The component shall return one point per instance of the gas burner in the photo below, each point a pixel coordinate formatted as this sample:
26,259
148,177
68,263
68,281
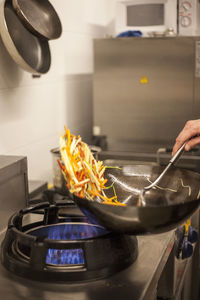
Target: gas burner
61,247
51,196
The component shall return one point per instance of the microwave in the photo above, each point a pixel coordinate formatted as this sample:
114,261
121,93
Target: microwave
180,16
146,16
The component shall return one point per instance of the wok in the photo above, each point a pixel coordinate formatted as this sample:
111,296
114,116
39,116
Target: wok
28,51
39,17
167,206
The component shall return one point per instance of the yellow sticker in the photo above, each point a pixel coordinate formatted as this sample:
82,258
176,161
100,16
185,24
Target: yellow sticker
50,186
187,225
144,80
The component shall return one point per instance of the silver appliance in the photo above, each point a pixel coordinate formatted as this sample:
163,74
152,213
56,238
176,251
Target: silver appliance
146,16
145,89
13,187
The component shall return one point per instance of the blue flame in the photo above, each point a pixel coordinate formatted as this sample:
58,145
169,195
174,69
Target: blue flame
68,232
65,257
74,231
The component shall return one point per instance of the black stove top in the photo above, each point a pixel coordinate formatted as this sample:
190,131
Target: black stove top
136,279
63,247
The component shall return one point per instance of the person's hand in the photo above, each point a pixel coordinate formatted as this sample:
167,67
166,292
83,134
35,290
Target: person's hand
191,128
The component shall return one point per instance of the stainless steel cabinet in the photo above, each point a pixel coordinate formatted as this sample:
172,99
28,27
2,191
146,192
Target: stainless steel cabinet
145,89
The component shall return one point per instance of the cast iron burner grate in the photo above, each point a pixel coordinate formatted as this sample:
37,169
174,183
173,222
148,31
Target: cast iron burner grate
61,247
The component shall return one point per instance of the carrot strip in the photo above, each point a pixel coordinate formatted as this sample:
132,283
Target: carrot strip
114,203
83,174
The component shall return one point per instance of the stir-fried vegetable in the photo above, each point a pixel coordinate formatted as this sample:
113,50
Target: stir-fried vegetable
83,174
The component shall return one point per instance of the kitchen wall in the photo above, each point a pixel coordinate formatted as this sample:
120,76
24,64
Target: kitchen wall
110,22
33,111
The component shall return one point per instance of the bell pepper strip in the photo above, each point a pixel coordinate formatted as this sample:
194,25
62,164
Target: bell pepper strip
84,175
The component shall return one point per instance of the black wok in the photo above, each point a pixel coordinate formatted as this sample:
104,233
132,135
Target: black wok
167,206
27,50
39,17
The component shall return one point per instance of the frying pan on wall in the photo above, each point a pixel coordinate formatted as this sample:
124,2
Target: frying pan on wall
27,50
39,17
169,205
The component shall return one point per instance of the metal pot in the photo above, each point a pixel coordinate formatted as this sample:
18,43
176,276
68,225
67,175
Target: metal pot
58,178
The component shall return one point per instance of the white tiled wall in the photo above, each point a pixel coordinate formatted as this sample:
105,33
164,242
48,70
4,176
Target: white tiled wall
33,111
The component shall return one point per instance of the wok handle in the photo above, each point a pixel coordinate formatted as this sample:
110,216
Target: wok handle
178,153
180,150
171,162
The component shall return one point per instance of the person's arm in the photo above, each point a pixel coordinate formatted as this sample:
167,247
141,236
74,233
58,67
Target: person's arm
191,128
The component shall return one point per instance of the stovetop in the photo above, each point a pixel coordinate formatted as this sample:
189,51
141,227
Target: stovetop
136,282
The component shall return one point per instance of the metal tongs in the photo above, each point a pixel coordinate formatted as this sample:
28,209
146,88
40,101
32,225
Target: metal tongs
172,161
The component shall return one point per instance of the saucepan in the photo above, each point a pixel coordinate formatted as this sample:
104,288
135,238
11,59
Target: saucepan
168,205
27,50
39,17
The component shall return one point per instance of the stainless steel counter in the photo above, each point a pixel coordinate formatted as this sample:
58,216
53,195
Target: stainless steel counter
138,282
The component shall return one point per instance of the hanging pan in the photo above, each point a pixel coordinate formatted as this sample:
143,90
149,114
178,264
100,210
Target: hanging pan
39,17
27,50
173,201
